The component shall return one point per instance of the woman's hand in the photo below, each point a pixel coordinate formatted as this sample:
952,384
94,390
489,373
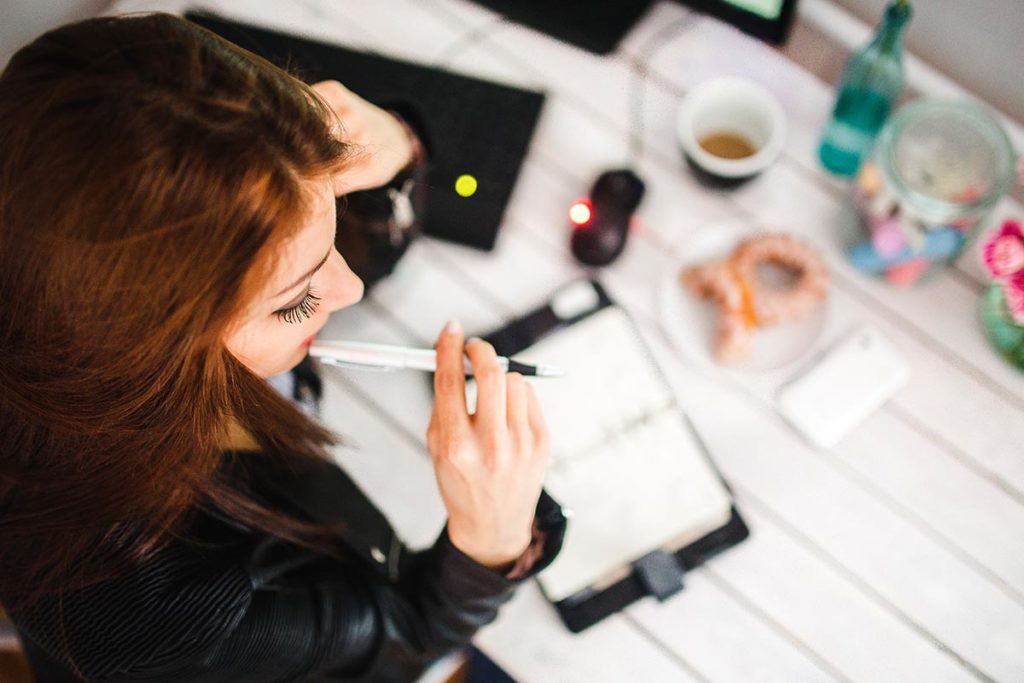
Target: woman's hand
489,465
384,142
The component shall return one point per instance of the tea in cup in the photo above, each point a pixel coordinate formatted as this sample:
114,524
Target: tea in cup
730,129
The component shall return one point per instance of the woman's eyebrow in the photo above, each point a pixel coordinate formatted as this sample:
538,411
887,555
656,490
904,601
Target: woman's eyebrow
308,274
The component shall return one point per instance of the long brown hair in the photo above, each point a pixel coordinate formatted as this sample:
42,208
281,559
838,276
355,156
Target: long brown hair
147,170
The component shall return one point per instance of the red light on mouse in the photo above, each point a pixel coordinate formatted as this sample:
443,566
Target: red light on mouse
580,213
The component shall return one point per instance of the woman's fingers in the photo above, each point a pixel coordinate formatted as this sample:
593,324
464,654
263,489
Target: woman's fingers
450,379
518,410
538,425
339,98
381,144
490,383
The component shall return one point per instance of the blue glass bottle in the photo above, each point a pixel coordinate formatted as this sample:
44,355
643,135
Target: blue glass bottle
870,86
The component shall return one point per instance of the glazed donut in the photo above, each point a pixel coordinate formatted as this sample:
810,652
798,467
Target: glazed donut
745,302
735,336
773,305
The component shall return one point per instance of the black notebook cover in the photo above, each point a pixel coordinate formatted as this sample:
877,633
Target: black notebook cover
471,126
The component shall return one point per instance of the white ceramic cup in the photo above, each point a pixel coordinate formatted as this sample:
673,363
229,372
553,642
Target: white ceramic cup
731,105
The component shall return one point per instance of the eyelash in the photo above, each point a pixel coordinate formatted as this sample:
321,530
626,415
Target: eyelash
300,311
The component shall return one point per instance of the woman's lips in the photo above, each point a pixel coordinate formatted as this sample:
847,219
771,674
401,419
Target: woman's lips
309,341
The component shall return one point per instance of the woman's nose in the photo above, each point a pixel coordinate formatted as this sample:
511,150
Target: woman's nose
346,286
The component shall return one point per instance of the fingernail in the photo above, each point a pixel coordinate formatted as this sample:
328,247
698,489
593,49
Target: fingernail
453,327
474,339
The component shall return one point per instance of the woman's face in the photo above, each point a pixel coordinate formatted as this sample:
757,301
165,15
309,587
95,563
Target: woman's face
310,280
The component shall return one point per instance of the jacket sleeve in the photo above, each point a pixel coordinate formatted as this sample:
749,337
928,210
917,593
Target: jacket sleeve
352,622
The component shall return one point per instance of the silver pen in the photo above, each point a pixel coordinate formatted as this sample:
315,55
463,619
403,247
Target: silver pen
383,357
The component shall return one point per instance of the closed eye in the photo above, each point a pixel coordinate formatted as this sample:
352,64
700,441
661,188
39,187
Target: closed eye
303,310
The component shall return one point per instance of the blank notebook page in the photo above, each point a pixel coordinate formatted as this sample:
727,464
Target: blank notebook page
624,459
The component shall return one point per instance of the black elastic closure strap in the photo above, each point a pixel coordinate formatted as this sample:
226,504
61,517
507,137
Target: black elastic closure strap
660,574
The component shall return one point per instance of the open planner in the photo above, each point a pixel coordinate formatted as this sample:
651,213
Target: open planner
645,499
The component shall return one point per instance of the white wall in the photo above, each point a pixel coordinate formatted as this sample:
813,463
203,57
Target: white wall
22,20
978,43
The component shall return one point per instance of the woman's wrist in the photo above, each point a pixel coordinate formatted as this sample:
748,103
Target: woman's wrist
417,152
524,564
498,559
502,568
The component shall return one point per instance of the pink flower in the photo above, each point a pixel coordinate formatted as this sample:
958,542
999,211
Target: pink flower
1013,291
1003,253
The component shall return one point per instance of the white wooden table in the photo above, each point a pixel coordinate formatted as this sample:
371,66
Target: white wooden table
898,556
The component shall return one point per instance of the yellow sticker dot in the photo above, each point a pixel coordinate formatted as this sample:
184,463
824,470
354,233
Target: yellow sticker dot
465,185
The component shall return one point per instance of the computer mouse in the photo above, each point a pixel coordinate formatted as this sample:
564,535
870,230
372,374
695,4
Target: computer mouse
601,223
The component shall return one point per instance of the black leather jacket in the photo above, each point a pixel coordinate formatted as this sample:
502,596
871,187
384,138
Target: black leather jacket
224,603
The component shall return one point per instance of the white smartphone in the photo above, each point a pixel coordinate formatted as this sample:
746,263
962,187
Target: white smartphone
846,384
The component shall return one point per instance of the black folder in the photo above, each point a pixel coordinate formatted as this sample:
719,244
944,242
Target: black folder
659,572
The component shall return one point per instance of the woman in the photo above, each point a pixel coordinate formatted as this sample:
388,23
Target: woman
167,230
